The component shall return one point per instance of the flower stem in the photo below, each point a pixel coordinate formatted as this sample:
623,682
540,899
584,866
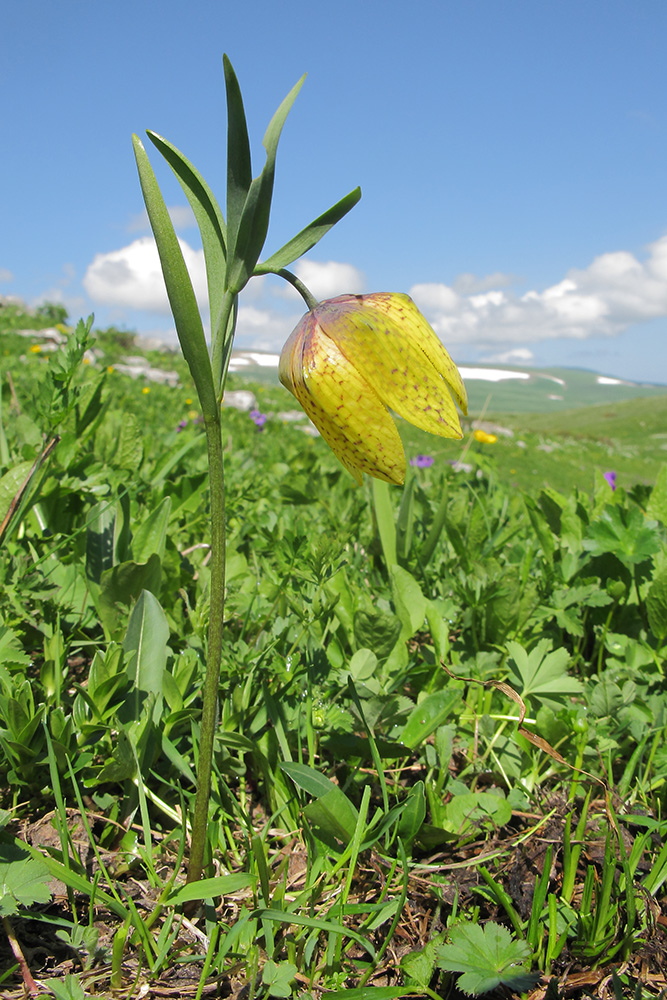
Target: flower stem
305,294
214,653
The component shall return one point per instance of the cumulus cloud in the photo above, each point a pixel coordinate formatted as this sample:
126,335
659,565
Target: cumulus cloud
328,278
515,356
264,329
182,217
132,276
614,292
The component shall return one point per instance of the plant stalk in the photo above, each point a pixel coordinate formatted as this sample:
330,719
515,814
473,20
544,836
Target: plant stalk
209,716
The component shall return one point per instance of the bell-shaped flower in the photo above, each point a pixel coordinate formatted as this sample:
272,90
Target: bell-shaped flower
353,358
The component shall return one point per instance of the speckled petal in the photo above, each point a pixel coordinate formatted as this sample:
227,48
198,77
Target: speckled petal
386,338
348,413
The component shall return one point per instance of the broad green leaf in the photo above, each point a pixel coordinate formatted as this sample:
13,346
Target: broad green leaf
656,606
151,535
542,673
488,957
10,484
145,647
409,601
277,977
417,966
363,664
625,533
308,237
79,883
11,650
100,532
332,810
334,814
376,630
120,586
307,778
24,880
657,504
179,285
481,809
428,715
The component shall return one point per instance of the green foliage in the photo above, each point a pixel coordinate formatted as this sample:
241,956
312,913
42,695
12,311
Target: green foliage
342,747
488,957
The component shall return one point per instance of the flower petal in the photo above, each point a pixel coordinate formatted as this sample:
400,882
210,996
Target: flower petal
392,345
346,410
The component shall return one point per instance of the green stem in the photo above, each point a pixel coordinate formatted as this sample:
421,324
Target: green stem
214,654
222,338
305,294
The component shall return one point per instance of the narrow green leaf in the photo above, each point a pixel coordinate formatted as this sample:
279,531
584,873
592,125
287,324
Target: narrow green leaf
179,286
371,993
327,926
208,215
239,165
308,237
254,222
209,888
77,882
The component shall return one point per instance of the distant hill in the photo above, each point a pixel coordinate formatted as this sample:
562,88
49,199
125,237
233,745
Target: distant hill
500,389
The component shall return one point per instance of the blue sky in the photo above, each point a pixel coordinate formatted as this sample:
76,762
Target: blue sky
512,156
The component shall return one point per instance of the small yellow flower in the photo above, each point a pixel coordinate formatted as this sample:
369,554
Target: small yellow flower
192,414
188,402
110,369
86,361
484,438
146,389
35,348
351,359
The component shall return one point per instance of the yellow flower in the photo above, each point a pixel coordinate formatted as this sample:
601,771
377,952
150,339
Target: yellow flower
110,369
35,348
188,402
484,438
351,359
146,389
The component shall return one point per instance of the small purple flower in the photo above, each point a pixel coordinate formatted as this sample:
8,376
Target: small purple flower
422,461
611,479
181,426
259,419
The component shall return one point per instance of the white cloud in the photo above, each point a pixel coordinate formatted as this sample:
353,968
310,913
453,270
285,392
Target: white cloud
470,284
132,276
328,278
182,217
263,328
604,299
515,356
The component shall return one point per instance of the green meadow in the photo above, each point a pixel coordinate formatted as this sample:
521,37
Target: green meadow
440,760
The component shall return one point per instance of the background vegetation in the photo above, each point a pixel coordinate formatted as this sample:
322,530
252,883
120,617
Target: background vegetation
383,821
